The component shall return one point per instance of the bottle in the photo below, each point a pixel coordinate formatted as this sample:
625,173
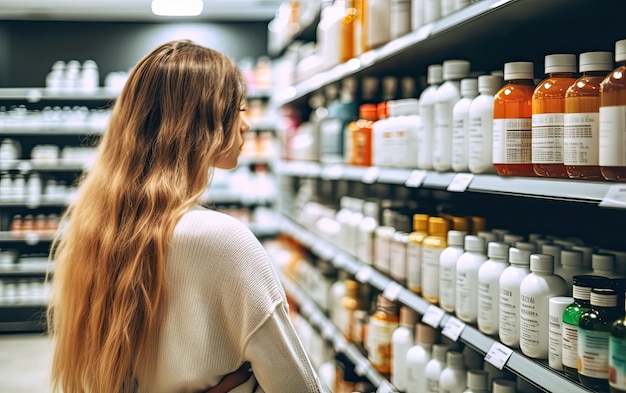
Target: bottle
381,326
460,124
417,357
349,304
477,381
432,10
612,154
414,253
582,112
447,269
409,126
433,369
467,278
535,291
548,115
556,308
571,265
365,238
348,25
398,255
480,130
336,293
401,342
427,112
341,111
453,378
383,236
510,280
594,330
603,264
342,217
352,225
361,136
555,251
512,121
417,14
511,239
447,95
617,356
502,385
400,23
376,23
587,255
489,287
432,246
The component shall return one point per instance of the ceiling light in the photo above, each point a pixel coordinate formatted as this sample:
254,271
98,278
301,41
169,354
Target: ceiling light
177,7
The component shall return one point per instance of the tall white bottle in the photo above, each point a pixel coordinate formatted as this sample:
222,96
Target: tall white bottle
467,278
536,289
603,264
427,113
402,340
489,287
460,124
477,381
447,269
417,357
453,378
434,367
480,133
432,10
510,280
571,265
447,95
365,236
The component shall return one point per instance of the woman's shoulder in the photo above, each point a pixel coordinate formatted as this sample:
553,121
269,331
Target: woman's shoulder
205,222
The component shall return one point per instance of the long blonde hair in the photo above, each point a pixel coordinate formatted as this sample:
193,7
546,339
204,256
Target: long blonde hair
169,126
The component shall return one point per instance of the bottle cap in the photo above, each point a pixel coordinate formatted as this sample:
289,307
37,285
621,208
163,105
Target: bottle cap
474,244
424,334
620,50
352,288
557,304
368,112
500,232
435,74
488,236
501,385
477,379
440,351
560,63
456,238
554,250
603,297
469,87
532,247
408,316
383,302
564,243
512,238
587,252
489,84
459,223
455,69
388,217
541,263
571,258
478,224
498,250
518,70
437,226
595,61
454,359
420,222
582,284
603,261
370,209
390,85
519,257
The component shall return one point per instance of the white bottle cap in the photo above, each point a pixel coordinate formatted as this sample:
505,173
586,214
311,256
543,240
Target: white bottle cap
456,238
454,359
554,250
557,304
440,351
477,379
571,258
435,74
518,70
560,63
498,250
602,261
455,69
519,257
370,209
587,253
620,50
425,334
541,263
469,87
474,243
392,108
532,247
488,236
512,238
345,201
504,386
595,61
489,84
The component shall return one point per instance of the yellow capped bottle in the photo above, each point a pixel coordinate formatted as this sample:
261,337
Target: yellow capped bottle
414,252
432,246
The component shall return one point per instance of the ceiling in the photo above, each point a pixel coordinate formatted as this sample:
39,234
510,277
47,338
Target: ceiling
132,10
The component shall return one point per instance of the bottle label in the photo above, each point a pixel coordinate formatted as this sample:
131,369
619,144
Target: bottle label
547,138
425,137
466,301
512,141
569,341
612,136
430,270
365,246
459,142
331,139
480,135
593,353
442,137
382,249
414,267
617,363
580,138
509,316
530,328
487,307
447,292
398,260
554,342
379,342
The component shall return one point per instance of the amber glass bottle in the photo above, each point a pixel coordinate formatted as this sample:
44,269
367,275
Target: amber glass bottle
361,134
512,115
380,328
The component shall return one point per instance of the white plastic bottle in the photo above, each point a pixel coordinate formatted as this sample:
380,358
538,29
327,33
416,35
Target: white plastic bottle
587,253
402,340
502,385
377,29
480,131
603,264
447,95
365,236
352,225
408,129
453,378
477,381
536,289
434,367
400,23
432,10
555,251
447,269
510,280
460,124
489,287
571,265
427,113
382,137
417,14
383,236
556,307
467,278
417,357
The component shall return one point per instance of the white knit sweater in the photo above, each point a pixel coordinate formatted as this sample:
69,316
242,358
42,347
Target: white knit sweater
225,306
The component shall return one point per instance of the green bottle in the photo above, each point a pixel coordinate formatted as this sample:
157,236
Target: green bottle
617,353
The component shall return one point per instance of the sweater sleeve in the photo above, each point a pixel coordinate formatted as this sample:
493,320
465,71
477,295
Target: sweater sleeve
278,359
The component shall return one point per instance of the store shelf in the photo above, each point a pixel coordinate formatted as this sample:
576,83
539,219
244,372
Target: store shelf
22,317
535,371
34,203
40,130
52,166
36,94
31,238
26,269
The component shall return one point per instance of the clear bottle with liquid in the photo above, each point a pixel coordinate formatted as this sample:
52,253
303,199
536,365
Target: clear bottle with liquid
348,25
414,253
361,136
432,246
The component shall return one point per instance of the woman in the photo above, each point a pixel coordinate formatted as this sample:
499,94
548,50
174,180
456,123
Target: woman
153,293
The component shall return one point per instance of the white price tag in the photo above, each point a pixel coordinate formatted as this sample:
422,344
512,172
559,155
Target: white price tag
328,332
424,31
340,261
433,316
415,179
453,329
460,182
371,175
392,291
31,238
615,197
362,367
332,172
340,345
498,355
364,274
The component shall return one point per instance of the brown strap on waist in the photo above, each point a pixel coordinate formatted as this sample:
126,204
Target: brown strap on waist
232,380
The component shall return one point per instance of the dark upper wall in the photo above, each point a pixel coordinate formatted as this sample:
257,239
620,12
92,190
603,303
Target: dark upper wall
29,48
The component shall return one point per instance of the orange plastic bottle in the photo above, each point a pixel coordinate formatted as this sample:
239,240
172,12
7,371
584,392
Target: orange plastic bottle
582,107
512,113
613,119
348,26
361,134
548,115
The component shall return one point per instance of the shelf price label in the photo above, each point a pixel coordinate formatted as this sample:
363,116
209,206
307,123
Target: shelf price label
371,175
453,329
364,274
392,291
340,261
498,355
460,182
340,345
328,332
415,179
362,367
332,172
615,197
433,316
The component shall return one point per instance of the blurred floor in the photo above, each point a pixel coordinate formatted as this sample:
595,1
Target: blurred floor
25,363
